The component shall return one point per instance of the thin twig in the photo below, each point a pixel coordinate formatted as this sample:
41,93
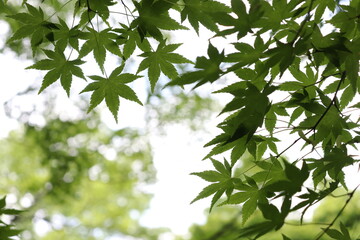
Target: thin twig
338,214
58,10
343,75
307,18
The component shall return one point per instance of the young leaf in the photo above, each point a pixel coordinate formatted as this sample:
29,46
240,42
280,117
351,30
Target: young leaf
99,43
111,89
197,11
153,16
34,25
210,69
162,60
60,67
65,36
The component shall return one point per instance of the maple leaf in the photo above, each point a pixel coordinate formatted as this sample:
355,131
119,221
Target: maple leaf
241,25
130,38
64,36
153,16
111,89
197,11
59,67
99,42
99,7
35,26
161,60
210,69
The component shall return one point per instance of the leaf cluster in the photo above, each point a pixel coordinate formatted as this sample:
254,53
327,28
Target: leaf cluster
289,75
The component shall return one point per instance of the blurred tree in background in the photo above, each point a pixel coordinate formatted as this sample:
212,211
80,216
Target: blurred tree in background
78,178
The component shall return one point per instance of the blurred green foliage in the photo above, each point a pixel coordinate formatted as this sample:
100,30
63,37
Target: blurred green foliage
78,177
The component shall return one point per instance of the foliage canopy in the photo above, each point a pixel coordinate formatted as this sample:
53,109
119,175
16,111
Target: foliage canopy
293,68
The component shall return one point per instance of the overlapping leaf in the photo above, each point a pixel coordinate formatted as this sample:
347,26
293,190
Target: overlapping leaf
210,69
241,25
200,11
288,51
94,6
65,36
241,125
130,38
153,16
34,25
99,43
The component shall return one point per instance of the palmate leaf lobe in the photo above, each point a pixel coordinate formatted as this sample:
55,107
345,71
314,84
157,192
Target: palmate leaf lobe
33,25
153,16
59,68
210,70
198,11
99,43
161,60
111,89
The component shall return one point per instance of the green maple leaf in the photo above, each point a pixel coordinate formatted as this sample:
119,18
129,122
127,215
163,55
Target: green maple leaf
217,189
335,234
283,55
162,60
130,38
249,194
210,69
59,67
248,119
64,36
198,11
111,89
224,184
241,25
254,194
153,16
98,43
95,6
34,25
